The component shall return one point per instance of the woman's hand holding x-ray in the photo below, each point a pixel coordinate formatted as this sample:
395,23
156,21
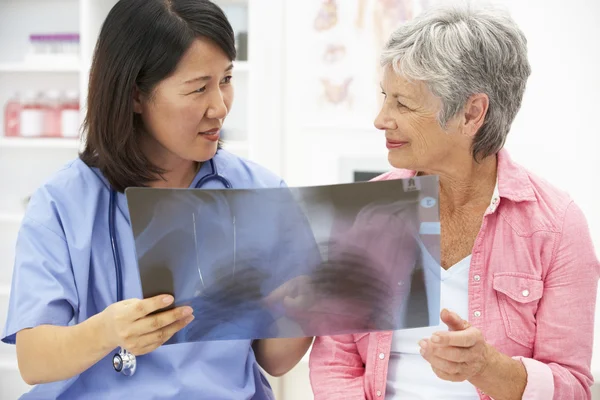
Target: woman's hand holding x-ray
131,324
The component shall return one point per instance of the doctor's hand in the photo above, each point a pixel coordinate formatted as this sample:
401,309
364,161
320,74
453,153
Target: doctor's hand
457,355
128,323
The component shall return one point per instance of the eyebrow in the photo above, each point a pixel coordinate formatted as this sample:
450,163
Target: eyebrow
396,95
207,77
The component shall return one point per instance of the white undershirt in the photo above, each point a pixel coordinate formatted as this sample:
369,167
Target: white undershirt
410,377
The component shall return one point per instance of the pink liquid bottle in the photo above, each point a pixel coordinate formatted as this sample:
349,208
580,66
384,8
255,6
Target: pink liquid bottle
32,115
52,114
70,115
12,116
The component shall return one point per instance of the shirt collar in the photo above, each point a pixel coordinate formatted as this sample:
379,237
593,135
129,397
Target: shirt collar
512,181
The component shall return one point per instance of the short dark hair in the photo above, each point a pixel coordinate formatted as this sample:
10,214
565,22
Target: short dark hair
140,44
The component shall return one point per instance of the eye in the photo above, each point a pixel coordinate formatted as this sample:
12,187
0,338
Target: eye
227,79
201,90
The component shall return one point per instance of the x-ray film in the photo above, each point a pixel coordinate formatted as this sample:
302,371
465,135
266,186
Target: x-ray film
292,262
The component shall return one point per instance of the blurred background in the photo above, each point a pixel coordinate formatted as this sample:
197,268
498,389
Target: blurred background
307,92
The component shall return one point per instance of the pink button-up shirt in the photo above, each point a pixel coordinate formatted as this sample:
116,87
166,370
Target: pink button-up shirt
532,293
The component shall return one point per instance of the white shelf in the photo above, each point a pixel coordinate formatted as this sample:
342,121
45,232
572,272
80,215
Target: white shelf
59,67
44,143
11,218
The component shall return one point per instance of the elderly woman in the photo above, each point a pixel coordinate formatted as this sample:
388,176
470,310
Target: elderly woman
519,274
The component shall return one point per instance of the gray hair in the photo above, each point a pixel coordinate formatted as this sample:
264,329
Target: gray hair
458,51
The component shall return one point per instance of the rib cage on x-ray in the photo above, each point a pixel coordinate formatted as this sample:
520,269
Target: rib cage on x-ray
197,250
346,256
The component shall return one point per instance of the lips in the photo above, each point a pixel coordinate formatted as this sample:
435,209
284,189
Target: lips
212,135
395,144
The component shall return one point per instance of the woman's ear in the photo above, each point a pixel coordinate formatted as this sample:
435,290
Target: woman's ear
475,111
137,100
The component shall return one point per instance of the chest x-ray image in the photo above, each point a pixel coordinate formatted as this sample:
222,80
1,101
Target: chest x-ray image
291,262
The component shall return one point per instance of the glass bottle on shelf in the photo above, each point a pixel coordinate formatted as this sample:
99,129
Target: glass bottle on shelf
12,115
52,114
70,115
32,115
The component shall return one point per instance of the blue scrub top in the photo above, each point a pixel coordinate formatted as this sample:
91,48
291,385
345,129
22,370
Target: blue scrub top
64,273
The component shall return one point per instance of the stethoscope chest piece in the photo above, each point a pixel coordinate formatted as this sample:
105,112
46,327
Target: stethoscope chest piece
124,362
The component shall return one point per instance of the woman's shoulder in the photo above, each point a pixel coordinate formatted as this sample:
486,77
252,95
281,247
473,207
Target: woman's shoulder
74,185
73,179
543,204
244,173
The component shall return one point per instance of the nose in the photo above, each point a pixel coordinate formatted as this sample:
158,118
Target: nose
384,121
217,109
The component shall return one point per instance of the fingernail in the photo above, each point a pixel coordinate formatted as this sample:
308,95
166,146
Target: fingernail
168,299
423,344
435,339
187,311
189,319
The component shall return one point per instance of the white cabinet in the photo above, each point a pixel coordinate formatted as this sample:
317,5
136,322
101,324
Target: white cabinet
26,163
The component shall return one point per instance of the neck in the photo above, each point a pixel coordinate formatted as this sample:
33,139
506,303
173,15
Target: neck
179,173
465,182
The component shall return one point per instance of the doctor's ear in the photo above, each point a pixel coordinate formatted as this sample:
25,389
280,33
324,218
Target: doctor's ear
137,100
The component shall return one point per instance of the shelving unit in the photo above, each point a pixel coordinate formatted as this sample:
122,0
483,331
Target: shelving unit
21,67
41,143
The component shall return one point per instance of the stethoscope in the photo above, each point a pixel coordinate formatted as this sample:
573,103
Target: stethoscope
123,361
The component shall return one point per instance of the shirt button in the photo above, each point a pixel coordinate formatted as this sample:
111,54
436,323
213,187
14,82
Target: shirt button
477,314
477,278
379,393
525,293
381,356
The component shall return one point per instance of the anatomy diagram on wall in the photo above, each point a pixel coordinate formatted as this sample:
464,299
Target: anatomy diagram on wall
341,47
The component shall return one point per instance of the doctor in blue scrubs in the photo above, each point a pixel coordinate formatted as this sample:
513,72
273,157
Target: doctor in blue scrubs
160,89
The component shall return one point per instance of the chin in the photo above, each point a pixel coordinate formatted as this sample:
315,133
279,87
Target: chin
400,161
204,153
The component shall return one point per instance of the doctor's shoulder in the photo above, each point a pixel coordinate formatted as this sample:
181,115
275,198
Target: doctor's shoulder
70,190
